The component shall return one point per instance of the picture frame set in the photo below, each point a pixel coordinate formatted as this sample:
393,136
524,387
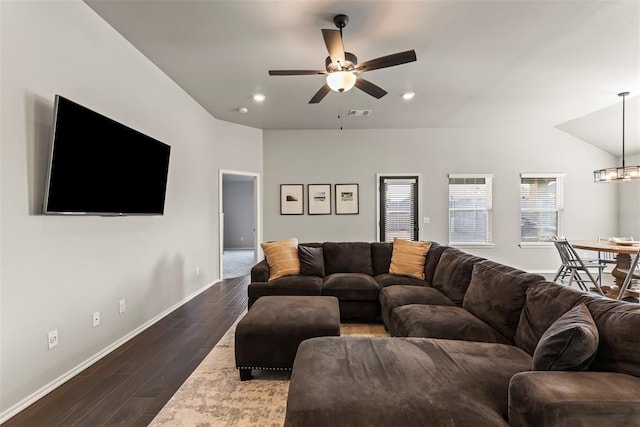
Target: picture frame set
347,199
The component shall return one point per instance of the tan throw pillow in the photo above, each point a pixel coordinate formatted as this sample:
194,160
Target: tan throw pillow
282,258
407,258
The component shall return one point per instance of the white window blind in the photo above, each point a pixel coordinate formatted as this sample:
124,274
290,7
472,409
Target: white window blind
541,207
399,210
470,205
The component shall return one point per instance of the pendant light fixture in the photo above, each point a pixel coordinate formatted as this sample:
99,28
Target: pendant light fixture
619,174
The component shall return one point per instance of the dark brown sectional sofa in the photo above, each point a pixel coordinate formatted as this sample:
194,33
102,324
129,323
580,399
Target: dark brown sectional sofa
476,343
354,272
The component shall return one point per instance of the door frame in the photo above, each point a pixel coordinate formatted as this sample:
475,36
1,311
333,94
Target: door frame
257,215
399,174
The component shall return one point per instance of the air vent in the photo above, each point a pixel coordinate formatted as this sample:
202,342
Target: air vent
359,113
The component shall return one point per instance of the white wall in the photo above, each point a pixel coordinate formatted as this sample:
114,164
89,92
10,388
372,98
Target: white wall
629,196
355,156
57,270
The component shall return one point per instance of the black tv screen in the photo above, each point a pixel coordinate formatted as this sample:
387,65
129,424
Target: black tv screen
101,167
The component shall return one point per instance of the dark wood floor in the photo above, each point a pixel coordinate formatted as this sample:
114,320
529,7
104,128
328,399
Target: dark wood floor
129,386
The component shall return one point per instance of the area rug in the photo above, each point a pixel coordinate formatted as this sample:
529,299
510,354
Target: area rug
214,395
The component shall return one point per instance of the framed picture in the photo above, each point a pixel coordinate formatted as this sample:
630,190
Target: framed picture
347,199
319,199
291,199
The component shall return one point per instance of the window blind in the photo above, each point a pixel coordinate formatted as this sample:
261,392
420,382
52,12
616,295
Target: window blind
541,207
470,205
399,208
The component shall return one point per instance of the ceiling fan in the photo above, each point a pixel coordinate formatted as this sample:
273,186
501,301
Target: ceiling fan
341,67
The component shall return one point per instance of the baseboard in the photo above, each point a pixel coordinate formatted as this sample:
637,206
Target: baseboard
29,400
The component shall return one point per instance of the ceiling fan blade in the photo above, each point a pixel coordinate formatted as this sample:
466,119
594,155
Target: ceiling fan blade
387,61
333,40
295,72
370,88
324,90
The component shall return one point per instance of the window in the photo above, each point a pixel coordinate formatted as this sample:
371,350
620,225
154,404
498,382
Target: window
398,208
470,219
541,208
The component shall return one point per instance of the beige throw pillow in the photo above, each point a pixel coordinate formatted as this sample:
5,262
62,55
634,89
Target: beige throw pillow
408,258
282,258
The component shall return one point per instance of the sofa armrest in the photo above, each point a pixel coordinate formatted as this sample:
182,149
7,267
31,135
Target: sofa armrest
561,398
260,272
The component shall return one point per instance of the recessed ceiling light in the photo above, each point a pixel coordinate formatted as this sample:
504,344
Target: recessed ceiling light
258,97
408,95
243,110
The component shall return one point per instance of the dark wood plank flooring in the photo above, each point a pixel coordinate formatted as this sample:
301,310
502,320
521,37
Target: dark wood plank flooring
129,386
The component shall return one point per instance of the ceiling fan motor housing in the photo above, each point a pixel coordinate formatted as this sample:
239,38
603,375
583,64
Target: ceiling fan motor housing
350,63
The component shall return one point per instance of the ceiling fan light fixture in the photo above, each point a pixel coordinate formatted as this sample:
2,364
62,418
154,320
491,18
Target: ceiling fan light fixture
618,174
341,81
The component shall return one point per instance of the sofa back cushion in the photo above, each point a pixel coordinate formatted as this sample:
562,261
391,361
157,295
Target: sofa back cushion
545,303
497,293
433,258
381,257
618,325
347,257
453,274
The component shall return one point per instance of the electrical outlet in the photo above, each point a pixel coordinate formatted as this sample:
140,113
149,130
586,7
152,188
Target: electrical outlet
96,318
426,220
53,338
122,307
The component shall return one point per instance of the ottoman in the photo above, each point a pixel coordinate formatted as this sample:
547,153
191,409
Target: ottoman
267,337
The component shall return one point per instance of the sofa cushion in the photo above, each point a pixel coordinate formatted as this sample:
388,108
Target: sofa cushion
497,293
381,257
282,257
351,287
433,258
570,343
398,295
347,257
618,325
545,303
365,381
574,399
287,285
453,273
444,322
387,279
407,258
311,261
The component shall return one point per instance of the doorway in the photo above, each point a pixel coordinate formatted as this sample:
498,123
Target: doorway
398,207
239,222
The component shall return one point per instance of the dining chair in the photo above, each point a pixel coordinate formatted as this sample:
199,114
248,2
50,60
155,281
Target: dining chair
572,266
632,273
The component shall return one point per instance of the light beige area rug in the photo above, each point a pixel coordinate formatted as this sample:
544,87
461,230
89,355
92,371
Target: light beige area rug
214,395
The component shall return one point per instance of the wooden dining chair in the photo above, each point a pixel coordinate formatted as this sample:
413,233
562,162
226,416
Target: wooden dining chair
573,267
632,273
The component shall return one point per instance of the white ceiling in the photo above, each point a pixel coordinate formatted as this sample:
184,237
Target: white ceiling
480,63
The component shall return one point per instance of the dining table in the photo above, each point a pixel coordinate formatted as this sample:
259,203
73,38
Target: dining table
622,250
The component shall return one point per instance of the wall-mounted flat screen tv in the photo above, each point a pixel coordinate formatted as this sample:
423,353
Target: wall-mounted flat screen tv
101,167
